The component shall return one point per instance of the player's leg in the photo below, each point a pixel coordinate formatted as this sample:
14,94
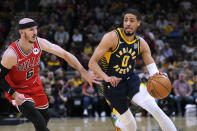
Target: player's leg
45,114
143,99
117,96
28,110
127,121
116,123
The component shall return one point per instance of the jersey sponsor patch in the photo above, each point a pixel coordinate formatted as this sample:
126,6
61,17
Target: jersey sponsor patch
36,51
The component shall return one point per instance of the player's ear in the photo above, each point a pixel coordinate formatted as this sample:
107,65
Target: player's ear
139,23
21,32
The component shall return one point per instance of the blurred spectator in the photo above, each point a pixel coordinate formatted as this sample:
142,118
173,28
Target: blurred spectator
159,43
70,84
176,32
88,50
167,51
77,37
172,75
49,93
90,99
149,38
159,57
195,91
85,61
61,36
183,91
53,64
161,23
53,23
43,80
185,4
144,74
190,48
77,80
50,77
168,29
60,102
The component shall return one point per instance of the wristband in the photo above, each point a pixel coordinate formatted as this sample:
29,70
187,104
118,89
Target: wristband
152,69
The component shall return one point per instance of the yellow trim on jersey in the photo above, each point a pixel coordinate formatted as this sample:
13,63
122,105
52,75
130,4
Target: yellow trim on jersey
118,43
107,56
138,46
125,39
142,84
108,102
114,111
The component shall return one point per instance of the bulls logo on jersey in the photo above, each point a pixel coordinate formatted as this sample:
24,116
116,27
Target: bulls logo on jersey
36,51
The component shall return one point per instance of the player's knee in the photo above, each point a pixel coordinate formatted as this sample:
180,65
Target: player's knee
45,114
150,105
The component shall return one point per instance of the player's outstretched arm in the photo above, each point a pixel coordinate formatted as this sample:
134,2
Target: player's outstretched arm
109,41
9,59
68,57
147,58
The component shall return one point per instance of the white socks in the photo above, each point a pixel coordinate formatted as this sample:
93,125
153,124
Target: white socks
127,120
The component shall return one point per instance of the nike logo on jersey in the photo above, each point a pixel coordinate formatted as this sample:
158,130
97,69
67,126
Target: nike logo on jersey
121,42
20,60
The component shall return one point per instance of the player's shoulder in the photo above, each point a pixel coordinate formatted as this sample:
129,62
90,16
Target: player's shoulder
142,41
140,38
40,40
9,58
10,53
111,36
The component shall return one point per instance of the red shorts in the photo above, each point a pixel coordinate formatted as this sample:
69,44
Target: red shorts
33,94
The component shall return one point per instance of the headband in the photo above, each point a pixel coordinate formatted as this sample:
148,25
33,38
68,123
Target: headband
27,25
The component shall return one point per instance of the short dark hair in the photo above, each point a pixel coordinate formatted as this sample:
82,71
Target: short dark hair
134,12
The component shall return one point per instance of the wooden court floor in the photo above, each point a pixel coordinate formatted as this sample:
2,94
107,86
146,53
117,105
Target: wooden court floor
188,123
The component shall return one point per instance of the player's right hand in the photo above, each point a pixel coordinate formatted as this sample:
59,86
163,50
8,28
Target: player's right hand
19,98
113,80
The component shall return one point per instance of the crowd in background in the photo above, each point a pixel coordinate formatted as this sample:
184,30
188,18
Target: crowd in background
170,29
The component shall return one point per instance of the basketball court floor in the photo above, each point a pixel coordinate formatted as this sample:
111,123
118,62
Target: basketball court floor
187,123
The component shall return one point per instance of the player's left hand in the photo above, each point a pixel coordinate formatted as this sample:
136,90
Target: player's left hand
91,78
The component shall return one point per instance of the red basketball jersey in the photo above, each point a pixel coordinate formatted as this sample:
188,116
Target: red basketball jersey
26,72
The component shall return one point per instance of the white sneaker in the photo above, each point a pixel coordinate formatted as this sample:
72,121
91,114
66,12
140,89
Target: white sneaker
103,114
96,114
85,112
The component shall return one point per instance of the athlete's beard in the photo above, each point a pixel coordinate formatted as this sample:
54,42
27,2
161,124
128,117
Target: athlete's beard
27,38
128,34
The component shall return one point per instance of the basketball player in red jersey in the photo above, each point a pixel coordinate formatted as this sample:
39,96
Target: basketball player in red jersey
19,70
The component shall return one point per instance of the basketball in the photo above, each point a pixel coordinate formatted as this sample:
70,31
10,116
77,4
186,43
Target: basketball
159,86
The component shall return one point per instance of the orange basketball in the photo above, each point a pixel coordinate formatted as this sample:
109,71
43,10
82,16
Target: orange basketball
159,86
